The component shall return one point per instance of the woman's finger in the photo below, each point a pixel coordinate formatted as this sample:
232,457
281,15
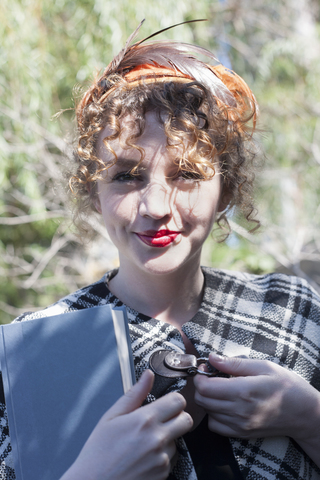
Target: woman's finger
219,388
215,405
178,426
167,407
240,366
133,398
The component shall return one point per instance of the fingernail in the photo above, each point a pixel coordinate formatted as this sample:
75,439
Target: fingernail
146,373
216,358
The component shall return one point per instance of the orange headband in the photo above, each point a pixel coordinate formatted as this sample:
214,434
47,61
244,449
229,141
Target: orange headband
144,74
153,74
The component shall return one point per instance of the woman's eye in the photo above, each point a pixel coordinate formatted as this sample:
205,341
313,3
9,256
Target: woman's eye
125,177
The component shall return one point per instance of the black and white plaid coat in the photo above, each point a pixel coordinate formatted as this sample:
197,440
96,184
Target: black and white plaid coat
272,317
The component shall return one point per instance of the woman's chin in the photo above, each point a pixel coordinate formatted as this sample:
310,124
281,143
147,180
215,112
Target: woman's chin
165,266
160,261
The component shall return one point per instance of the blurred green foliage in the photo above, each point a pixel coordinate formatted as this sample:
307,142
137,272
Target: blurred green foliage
48,47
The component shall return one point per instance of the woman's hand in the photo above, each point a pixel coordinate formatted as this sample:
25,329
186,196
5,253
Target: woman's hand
261,399
130,442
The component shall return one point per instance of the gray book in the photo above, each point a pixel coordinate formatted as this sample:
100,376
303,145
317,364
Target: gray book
60,375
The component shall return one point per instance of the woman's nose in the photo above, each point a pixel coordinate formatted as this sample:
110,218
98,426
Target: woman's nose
155,201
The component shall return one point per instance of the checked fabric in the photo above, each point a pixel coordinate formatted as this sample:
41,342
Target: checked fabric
273,317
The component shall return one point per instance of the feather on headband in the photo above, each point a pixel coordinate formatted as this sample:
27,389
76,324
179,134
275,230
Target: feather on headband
165,61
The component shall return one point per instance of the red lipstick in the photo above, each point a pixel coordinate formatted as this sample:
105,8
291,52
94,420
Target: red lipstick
158,238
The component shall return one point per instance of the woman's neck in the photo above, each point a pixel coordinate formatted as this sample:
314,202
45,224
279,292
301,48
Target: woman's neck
173,298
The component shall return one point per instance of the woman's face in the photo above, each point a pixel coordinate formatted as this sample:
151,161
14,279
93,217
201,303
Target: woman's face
158,218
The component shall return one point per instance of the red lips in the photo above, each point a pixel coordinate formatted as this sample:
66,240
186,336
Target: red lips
158,238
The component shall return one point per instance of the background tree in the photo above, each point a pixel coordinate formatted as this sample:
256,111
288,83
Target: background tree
47,47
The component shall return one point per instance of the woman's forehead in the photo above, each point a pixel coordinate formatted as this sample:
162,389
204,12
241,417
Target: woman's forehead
153,137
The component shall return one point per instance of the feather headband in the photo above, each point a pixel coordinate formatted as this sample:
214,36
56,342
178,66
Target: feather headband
166,61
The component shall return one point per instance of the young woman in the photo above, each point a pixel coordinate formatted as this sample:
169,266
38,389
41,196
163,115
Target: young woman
164,151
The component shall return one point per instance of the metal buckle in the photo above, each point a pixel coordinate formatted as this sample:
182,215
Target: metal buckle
169,363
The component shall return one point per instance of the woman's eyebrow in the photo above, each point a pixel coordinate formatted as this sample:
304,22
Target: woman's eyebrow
127,163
